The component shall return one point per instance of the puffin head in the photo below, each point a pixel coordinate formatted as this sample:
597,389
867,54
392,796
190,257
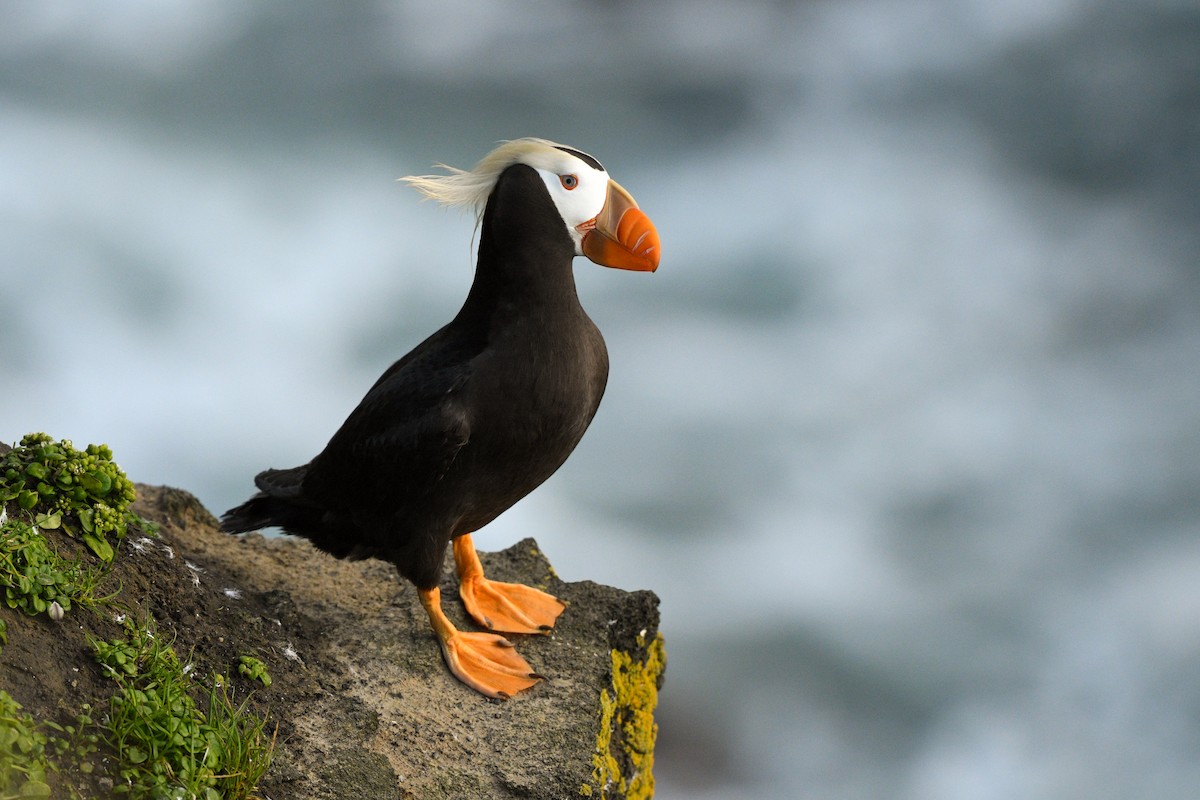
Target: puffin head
602,219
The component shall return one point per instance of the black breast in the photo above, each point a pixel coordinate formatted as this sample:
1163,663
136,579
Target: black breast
537,383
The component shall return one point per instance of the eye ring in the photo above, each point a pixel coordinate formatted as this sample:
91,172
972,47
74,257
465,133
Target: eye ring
569,181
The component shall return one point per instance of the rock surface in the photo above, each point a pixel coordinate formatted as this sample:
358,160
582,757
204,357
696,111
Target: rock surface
363,705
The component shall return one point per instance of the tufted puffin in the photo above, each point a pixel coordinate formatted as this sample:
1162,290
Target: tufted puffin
481,412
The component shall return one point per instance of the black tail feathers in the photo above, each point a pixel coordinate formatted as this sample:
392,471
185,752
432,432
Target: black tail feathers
283,483
260,511
279,503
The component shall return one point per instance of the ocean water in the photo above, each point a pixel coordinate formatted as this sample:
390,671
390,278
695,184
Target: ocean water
904,431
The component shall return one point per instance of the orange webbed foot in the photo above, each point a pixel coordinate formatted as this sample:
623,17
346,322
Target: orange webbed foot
499,606
489,664
486,662
510,607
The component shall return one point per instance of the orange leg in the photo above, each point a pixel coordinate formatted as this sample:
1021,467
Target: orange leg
510,607
486,662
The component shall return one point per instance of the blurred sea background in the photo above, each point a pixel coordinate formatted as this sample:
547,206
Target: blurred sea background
905,431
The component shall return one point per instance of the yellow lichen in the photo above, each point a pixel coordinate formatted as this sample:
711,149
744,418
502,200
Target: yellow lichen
629,709
536,553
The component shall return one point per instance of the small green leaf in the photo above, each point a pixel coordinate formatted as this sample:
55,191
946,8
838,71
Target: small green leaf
100,546
34,789
27,499
48,521
97,482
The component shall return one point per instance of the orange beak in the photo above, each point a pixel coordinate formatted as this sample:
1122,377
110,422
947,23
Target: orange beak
621,235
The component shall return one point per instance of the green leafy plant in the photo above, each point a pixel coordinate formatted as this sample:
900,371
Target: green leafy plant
169,734
23,761
28,752
166,746
250,667
35,577
76,742
245,748
83,492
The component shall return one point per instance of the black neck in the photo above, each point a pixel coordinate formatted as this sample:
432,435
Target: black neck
525,252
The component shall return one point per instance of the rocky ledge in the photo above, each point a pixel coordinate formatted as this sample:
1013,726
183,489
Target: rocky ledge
359,701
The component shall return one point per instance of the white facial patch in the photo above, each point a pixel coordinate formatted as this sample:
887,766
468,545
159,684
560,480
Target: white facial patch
578,191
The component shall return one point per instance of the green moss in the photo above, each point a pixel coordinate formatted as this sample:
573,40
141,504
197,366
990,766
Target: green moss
622,765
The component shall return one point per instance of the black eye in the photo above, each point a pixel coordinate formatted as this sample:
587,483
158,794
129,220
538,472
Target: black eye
569,182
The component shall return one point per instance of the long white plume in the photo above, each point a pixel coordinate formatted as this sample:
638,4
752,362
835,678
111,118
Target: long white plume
470,188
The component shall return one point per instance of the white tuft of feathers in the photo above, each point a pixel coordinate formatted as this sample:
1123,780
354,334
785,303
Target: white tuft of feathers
463,188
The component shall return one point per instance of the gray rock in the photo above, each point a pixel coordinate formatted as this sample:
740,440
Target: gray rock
363,703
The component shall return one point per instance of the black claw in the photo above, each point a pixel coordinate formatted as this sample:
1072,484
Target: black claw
537,677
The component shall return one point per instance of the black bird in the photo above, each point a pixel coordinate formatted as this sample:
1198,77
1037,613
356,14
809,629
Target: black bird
481,412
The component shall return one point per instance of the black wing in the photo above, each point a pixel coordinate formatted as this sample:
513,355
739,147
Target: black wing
402,437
